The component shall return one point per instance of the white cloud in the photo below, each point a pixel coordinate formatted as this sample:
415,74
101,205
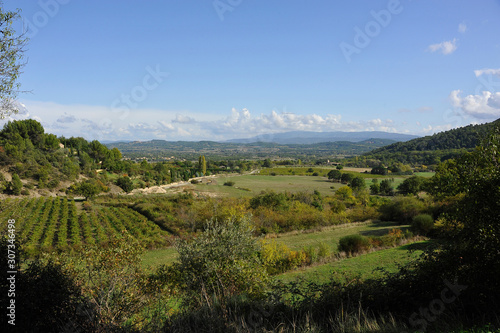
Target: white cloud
462,28
183,119
483,106
436,129
446,47
487,71
102,123
424,109
66,118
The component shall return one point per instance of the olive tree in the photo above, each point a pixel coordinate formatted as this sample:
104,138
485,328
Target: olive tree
11,61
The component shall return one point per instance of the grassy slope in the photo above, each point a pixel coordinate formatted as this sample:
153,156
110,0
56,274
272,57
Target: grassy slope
364,266
331,235
294,240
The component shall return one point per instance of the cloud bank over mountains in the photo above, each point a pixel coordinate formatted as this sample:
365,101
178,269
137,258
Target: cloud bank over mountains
96,122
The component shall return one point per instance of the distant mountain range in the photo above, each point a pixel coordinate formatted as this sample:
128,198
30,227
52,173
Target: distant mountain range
304,137
191,150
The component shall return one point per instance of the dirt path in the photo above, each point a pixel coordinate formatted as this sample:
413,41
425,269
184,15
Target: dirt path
164,188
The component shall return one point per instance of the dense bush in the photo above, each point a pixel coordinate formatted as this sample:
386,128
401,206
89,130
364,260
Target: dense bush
276,201
278,258
354,244
125,183
402,209
412,185
220,263
422,224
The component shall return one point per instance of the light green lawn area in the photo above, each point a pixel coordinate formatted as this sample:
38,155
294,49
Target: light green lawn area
425,174
251,185
364,266
155,258
258,183
331,235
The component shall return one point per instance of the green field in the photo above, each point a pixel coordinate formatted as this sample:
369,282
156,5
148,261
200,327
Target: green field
331,235
365,266
46,224
294,240
291,179
258,183
155,258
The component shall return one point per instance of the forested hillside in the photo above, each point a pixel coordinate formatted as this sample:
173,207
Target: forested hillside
27,152
434,148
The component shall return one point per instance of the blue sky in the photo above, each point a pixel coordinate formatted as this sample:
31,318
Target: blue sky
215,70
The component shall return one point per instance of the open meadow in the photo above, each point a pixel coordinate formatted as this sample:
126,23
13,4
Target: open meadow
371,265
291,179
295,240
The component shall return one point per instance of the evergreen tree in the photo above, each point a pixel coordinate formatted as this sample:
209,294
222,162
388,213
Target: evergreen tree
16,184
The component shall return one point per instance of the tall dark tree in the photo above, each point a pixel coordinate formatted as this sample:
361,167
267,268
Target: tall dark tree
202,165
334,175
346,178
16,185
411,185
357,183
386,187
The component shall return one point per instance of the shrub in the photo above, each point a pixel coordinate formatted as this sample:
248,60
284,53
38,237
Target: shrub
125,183
220,263
354,244
362,213
273,200
375,188
16,185
53,183
278,258
337,207
229,183
422,224
323,250
87,206
402,209
393,237
311,254
357,183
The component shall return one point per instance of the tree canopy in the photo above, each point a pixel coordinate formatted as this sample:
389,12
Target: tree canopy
11,61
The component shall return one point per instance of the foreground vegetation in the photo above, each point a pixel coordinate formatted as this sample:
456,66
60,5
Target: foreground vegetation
236,256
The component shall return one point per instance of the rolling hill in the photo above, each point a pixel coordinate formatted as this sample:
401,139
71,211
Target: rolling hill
435,148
